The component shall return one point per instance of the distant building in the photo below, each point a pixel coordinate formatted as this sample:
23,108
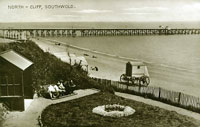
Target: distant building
15,79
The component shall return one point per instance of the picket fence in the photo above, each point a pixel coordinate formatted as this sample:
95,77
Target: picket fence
171,97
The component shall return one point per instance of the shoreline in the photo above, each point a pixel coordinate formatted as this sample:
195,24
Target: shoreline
112,68
116,56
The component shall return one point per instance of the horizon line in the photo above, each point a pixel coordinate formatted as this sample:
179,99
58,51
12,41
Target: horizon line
92,21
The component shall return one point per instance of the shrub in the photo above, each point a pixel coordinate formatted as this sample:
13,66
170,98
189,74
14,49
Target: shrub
48,69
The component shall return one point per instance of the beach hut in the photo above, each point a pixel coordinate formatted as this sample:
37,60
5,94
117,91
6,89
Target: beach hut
15,79
136,74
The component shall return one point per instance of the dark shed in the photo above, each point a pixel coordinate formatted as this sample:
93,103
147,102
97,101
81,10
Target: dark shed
15,79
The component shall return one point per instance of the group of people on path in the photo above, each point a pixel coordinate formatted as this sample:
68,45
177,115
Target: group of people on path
61,89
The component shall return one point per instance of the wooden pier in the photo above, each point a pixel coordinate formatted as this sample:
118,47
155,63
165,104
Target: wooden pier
26,33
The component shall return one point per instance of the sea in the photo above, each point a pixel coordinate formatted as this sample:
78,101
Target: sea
181,52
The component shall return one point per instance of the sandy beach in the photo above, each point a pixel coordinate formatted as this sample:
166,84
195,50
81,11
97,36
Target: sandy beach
111,67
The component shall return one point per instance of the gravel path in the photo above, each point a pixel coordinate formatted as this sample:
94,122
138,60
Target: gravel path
29,117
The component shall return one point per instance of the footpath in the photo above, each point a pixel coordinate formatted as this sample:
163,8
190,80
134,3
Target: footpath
160,104
29,117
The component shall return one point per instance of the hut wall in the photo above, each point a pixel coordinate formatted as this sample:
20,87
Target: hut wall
28,88
10,80
15,83
11,92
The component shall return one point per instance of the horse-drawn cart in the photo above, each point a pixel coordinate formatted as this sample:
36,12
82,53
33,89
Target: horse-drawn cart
136,74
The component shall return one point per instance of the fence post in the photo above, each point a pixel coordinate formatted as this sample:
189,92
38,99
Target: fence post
0,86
139,88
117,85
100,81
179,97
103,83
159,92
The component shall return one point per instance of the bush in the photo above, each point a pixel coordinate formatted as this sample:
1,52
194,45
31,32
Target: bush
48,69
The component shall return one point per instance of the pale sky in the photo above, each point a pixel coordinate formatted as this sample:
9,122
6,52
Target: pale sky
101,10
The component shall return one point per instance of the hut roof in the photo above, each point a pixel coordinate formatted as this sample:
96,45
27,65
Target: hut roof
16,59
137,63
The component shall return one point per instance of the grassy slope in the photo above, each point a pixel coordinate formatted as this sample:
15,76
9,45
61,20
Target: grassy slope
78,113
47,68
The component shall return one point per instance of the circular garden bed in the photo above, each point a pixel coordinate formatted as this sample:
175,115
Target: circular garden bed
114,110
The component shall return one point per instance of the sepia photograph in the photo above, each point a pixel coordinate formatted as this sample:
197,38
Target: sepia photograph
99,63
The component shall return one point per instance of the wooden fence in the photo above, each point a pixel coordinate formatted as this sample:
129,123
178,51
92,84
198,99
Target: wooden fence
157,93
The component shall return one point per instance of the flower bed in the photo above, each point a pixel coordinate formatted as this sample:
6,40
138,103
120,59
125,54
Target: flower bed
114,110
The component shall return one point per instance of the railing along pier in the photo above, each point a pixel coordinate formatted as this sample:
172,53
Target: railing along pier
22,34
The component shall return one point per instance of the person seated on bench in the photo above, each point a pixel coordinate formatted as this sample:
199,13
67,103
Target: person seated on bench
66,85
51,91
71,86
61,87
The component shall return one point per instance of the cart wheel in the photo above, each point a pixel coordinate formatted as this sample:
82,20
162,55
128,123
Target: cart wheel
134,81
145,80
123,78
141,81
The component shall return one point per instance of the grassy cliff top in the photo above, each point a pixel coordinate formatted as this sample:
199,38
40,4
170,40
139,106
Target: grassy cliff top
78,113
47,68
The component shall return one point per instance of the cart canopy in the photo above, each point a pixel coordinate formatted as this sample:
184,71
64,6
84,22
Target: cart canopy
136,69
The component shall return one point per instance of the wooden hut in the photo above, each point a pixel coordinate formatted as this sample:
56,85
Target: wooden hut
15,79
